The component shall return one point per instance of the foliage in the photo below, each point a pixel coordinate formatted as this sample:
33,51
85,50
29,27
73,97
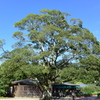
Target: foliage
89,90
92,64
69,74
97,83
13,68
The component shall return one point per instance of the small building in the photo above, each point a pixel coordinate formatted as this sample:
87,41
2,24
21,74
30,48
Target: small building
65,89
25,88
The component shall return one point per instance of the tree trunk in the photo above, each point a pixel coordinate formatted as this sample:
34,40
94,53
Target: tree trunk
47,95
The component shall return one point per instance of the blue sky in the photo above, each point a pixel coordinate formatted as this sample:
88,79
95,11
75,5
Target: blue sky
12,11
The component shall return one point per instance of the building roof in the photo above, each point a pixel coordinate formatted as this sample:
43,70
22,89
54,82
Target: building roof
83,85
69,84
25,82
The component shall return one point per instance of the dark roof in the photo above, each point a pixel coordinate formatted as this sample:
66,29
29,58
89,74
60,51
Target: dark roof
25,82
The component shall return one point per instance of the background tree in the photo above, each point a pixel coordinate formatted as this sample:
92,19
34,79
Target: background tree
92,65
13,67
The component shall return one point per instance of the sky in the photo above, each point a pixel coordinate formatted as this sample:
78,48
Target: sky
12,11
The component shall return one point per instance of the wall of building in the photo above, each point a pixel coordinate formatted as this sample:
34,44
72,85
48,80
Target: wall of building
26,91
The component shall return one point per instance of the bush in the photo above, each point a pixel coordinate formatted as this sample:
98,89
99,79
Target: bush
88,90
95,93
2,92
83,94
97,88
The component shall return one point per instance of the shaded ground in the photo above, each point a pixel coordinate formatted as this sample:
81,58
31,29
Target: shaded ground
82,98
87,98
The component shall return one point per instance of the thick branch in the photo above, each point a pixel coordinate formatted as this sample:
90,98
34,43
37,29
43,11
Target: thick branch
67,61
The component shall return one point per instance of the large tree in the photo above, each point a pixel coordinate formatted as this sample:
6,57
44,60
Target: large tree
55,42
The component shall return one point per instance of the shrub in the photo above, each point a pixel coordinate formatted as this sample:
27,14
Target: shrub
88,90
97,88
2,92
